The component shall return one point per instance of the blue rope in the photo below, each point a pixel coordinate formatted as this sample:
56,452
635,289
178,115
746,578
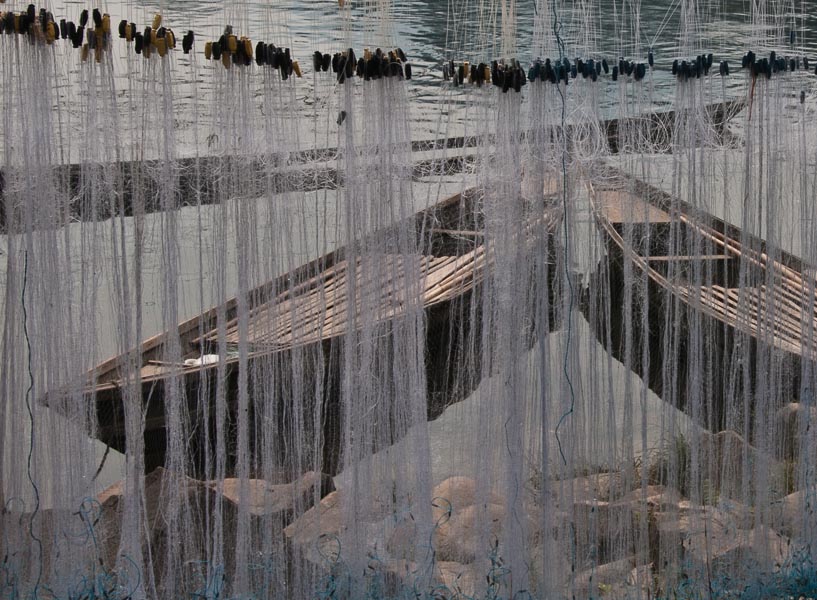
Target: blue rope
36,510
557,26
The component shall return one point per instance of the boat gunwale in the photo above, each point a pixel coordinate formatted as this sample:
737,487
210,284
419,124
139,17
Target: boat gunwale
96,380
789,266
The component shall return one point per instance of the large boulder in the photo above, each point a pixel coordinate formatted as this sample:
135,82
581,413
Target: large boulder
460,581
605,531
795,515
456,493
563,492
175,502
175,512
462,521
604,580
470,533
700,543
285,501
316,532
59,544
726,460
719,552
791,421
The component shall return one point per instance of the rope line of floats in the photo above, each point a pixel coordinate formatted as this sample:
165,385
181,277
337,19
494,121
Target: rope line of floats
92,34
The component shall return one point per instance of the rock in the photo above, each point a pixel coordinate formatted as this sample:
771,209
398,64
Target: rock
550,566
737,513
402,542
456,493
721,551
459,563
162,487
86,539
601,580
459,538
315,532
701,543
277,504
591,528
618,580
690,523
322,531
470,533
599,486
59,552
726,452
286,501
265,499
116,489
642,579
790,421
605,531
461,580
795,515
731,512
657,497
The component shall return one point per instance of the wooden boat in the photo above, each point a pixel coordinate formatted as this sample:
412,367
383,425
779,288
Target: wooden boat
713,277
305,308
199,179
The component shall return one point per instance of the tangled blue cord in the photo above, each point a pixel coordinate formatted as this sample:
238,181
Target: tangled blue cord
557,26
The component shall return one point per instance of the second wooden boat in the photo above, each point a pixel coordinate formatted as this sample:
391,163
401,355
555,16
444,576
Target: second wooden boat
750,306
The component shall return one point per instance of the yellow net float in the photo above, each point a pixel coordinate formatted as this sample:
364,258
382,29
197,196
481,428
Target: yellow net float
161,46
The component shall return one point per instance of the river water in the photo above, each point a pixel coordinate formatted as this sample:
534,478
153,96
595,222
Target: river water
433,31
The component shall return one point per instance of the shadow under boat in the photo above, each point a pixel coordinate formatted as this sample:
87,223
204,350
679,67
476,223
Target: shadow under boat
715,296
302,315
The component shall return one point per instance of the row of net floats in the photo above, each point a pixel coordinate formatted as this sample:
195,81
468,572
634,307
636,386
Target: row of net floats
511,75
92,33
373,65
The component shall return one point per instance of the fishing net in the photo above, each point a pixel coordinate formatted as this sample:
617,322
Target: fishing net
292,309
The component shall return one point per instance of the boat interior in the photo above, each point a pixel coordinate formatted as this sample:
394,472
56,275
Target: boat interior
704,262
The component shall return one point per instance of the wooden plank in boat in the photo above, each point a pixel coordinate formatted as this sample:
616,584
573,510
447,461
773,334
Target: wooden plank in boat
741,308
320,298
763,312
322,312
689,258
724,301
618,206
